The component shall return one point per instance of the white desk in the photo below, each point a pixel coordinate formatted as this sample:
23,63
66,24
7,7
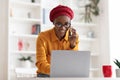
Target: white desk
68,79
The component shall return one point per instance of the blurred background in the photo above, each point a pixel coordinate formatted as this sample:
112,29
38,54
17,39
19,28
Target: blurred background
96,22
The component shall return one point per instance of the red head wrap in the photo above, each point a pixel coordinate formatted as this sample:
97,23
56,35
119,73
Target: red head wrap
61,10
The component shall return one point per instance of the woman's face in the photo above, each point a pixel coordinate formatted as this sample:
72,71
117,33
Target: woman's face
62,24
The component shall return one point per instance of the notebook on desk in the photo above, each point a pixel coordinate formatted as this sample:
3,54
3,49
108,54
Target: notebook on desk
68,63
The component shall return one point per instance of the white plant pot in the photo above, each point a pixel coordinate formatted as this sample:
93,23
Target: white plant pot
117,72
26,64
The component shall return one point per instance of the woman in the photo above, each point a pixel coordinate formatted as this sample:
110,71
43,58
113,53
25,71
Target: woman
61,37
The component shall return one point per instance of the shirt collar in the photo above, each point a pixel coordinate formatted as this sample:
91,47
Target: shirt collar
66,35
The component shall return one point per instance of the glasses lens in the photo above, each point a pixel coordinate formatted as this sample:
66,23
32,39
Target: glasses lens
67,25
60,25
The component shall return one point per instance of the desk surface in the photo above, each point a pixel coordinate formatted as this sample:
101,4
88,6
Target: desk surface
68,79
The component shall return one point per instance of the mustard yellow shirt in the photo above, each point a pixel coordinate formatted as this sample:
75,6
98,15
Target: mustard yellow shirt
46,42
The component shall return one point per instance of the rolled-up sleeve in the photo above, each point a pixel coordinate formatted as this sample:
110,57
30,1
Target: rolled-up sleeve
41,59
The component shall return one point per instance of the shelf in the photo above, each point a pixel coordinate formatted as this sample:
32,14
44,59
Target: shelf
21,3
35,36
25,72
87,39
94,54
25,19
25,35
78,24
76,8
25,52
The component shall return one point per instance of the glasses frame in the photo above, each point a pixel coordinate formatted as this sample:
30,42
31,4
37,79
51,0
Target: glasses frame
66,25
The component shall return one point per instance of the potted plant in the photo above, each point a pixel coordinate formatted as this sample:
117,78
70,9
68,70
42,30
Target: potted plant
33,1
91,8
26,61
117,70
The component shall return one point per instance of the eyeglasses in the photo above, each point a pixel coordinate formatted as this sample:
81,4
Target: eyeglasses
65,25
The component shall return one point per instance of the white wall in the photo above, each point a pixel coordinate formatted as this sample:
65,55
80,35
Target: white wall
3,39
104,57
104,28
114,21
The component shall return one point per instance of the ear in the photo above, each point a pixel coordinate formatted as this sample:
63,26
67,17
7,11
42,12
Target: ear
54,21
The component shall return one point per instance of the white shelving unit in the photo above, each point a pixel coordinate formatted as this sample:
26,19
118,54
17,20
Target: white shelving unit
25,20
23,3
25,72
83,24
24,35
24,52
23,14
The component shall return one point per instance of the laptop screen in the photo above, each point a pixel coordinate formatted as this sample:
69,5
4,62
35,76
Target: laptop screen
69,63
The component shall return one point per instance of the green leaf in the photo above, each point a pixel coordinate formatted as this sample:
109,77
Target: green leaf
23,58
117,63
97,1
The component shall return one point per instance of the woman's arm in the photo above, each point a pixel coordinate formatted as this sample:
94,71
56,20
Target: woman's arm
41,59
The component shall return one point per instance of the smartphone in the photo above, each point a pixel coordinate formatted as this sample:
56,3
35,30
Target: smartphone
70,31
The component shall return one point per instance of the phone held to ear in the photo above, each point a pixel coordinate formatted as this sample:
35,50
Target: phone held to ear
70,31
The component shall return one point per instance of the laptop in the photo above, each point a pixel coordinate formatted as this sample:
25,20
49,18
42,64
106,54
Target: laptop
69,63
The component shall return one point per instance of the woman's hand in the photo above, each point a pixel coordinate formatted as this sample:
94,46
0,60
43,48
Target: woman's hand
72,37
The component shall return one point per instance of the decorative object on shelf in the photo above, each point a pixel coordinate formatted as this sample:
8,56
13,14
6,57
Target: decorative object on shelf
32,1
29,15
88,13
118,65
36,29
91,8
27,45
26,61
107,70
90,34
94,7
20,44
